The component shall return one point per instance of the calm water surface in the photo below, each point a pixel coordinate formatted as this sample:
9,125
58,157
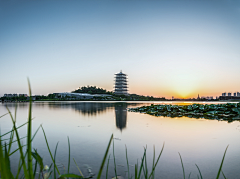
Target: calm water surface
89,126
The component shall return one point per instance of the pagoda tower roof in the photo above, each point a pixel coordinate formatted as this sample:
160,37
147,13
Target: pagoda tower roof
120,73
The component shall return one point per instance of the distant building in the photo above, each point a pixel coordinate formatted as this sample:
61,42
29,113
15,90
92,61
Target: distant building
80,95
74,95
23,95
33,98
14,95
8,95
121,86
207,97
229,96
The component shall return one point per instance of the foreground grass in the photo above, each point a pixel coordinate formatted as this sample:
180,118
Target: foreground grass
30,164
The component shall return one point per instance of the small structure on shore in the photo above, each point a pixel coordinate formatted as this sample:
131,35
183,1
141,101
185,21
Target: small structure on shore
121,86
80,95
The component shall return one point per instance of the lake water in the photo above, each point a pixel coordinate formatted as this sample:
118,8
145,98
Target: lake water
89,126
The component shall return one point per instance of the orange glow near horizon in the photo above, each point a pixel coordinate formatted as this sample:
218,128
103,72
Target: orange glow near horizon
181,93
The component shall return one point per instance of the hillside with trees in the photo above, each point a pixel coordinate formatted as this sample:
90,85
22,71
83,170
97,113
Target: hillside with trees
92,90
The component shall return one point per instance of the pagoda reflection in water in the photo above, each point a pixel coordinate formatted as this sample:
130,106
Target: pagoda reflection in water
121,115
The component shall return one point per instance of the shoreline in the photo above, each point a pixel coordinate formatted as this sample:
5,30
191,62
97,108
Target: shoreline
167,101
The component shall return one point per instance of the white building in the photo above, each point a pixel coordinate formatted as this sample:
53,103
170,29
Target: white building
79,95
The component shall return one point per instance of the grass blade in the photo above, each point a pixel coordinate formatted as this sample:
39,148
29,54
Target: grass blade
224,175
16,150
23,137
14,140
48,176
2,161
10,142
16,127
104,158
189,175
54,161
39,159
146,168
68,154
20,165
7,161
107,167
153,175
36,132
136,170
115,167
15,114
50,150
4,115
220,168
35,168
29,135
19,146
49,167
144,172
78,168
155,165
12,133
127,162
23,145
182,166
199,171
141,166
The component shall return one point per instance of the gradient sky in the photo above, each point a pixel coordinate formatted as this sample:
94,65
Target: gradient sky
167,48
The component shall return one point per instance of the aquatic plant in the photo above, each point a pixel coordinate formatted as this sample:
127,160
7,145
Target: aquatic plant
228,111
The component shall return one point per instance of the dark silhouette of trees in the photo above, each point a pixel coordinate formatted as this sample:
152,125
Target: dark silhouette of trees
92,90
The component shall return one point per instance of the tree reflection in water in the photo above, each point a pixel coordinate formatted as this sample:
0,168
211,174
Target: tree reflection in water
97,108
88,108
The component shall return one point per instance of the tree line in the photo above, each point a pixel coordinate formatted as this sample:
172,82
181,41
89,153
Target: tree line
92,90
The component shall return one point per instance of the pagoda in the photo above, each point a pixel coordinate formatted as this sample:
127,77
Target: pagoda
121,84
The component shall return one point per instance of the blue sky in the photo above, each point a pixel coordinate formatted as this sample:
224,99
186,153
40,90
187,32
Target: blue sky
167,48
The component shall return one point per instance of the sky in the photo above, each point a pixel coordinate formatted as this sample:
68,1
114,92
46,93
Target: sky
167,48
